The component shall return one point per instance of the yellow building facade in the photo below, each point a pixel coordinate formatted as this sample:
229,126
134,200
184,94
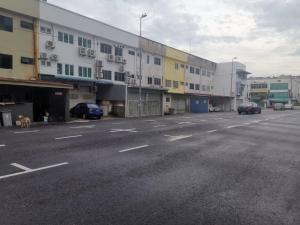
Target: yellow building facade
18,45
174,70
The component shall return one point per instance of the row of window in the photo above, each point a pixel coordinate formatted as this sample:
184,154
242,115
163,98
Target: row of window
155,81
195,70
6,61
197,87
259,86
157,61
107,75
68,70
6,24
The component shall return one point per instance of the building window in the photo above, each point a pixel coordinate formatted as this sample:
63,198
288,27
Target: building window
279,86
45,30
157,61
26,25
168,83
198,71
208,74
43,63
71,39
80,71
6,23
192,86
157,81
176,66
197,87
192,69
6,61
60,36
119,76
148,59
168,99
175,84
208,88
106,74
83,42
203,88
59,68
65,37
203,72
48,63
149,80
211,87
118,51
258,86
71,70
26,60
182,83
131,52
104,48
67,69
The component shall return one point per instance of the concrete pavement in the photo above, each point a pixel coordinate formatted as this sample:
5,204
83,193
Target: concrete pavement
219,168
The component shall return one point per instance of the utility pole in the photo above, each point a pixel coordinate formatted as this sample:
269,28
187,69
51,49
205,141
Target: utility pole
231,83
140,75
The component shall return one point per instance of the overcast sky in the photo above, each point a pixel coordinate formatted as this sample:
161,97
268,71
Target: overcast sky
263,34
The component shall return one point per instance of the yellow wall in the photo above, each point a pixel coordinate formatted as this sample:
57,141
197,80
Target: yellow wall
25,7
18,43
174,56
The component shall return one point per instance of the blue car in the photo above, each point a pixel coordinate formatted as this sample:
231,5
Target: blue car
86,110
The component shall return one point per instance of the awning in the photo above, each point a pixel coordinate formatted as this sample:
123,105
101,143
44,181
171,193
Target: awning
34,83
242,72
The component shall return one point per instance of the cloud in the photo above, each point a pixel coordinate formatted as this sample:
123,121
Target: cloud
262,33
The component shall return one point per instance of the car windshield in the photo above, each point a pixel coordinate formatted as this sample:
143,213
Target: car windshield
246,104
92,106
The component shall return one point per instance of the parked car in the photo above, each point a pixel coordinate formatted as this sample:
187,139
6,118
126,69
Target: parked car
278,106
86,110
249,108
288,107
214,108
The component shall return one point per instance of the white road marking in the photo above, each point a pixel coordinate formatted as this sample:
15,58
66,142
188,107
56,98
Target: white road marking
20,166
180,123
246,124
116,123
31,170
79,127
176,138
150,120
75,136
27,131
211,131
187,117
79,121
134,148
160,126
2,146
233,126
202,120
133,130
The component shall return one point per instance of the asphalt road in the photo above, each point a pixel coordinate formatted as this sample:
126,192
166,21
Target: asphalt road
212,169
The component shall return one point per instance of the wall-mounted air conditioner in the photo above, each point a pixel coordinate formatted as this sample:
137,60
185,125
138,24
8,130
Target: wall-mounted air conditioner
110,58
124,61
92,53
121,69
50,45
43,56
119,59
82,51
53,57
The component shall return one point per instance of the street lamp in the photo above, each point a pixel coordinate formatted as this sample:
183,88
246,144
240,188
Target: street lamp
144,15
231,83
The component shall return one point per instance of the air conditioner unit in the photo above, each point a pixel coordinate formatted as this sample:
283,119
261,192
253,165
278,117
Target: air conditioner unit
121,69
50,45
110,58
119,59
124,61
98,63
54,58
92,53
43,56
82,51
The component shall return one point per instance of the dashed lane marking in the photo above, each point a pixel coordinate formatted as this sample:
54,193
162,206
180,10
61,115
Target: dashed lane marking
176,138
150,120
28,170
134,148
27,131
68,137
132,130
2,145
211,131
181,123
233,126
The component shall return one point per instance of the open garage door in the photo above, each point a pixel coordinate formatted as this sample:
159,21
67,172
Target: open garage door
178,103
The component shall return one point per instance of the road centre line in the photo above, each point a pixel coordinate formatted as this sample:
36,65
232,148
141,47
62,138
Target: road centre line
180,123
132,130
68,137
233,126
28,170
2,145
150,120
134,148
27,131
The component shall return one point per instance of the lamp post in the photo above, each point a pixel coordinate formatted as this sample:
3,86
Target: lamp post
140,77
231,82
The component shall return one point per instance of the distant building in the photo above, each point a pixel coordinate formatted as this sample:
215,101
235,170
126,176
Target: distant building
266,91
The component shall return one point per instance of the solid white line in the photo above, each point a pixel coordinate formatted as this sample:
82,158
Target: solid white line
28,131
2,146
247,124
180,123
176,138
75,136
160,126
211,131
134,148
21,167
233,126
79,127
32,170
150,120
202,120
